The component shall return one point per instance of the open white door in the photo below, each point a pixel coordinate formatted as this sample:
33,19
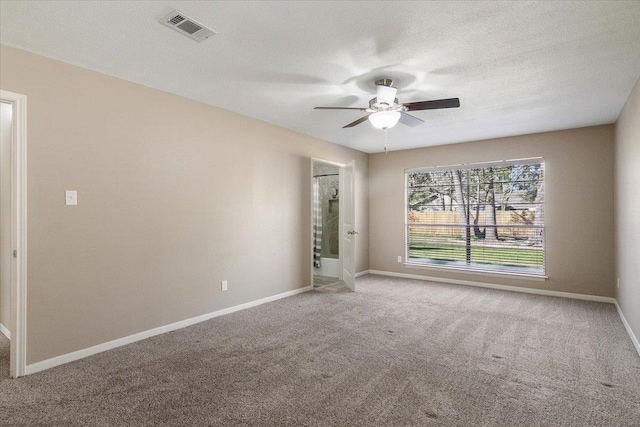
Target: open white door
18,311
347,218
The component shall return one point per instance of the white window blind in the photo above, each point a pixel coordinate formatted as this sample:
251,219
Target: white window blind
482,217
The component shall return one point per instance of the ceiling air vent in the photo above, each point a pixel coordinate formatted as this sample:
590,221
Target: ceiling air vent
187,26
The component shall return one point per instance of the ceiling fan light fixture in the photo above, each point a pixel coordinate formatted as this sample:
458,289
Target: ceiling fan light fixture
384,119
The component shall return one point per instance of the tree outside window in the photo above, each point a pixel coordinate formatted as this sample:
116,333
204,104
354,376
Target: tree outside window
478,217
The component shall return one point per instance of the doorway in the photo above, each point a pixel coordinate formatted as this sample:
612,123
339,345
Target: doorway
6,118
332,233
13,232
326,224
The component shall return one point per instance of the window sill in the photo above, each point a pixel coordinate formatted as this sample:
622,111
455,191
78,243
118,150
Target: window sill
539,277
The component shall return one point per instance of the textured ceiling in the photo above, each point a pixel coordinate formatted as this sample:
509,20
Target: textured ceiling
517,67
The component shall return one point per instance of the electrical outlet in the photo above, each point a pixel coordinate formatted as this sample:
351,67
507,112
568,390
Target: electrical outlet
399,259
618,283
224,285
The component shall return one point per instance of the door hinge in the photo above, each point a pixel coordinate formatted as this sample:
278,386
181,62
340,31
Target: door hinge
15,253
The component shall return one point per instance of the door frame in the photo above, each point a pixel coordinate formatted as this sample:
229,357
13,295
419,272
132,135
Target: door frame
340,167
18,327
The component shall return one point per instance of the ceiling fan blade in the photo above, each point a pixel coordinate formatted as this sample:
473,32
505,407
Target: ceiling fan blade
409,120
357,122
340,108
433,105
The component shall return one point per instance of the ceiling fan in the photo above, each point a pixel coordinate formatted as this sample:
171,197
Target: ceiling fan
385,111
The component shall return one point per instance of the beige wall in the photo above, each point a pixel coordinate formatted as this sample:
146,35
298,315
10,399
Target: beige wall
578,205
627,160
173,197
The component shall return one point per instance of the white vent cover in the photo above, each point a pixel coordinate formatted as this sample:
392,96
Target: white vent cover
187,26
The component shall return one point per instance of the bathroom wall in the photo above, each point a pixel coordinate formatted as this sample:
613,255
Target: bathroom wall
329,263
330,216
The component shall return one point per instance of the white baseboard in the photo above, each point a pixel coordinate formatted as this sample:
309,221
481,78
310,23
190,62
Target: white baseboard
76,355
5,331
80,354
499,287
634,340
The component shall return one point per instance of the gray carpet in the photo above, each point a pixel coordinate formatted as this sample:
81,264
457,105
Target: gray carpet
394,353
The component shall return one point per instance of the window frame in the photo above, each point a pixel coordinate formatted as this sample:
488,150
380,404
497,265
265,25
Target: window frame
542,275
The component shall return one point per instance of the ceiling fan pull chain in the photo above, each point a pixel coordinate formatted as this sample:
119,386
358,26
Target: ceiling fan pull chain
385,142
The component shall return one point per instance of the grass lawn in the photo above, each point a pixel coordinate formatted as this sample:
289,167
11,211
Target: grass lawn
503,256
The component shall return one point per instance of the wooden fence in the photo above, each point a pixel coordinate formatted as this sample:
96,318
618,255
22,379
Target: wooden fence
511,218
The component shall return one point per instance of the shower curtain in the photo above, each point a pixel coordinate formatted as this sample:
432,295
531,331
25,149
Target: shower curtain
317,223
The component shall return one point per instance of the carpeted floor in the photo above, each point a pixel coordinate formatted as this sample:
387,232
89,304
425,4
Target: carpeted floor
395,353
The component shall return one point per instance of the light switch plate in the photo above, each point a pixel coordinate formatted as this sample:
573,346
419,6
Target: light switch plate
71,197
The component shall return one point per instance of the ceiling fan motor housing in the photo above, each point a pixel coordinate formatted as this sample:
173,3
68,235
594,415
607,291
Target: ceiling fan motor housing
385,99
384,82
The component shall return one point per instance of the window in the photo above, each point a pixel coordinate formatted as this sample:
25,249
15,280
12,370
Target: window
482,217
